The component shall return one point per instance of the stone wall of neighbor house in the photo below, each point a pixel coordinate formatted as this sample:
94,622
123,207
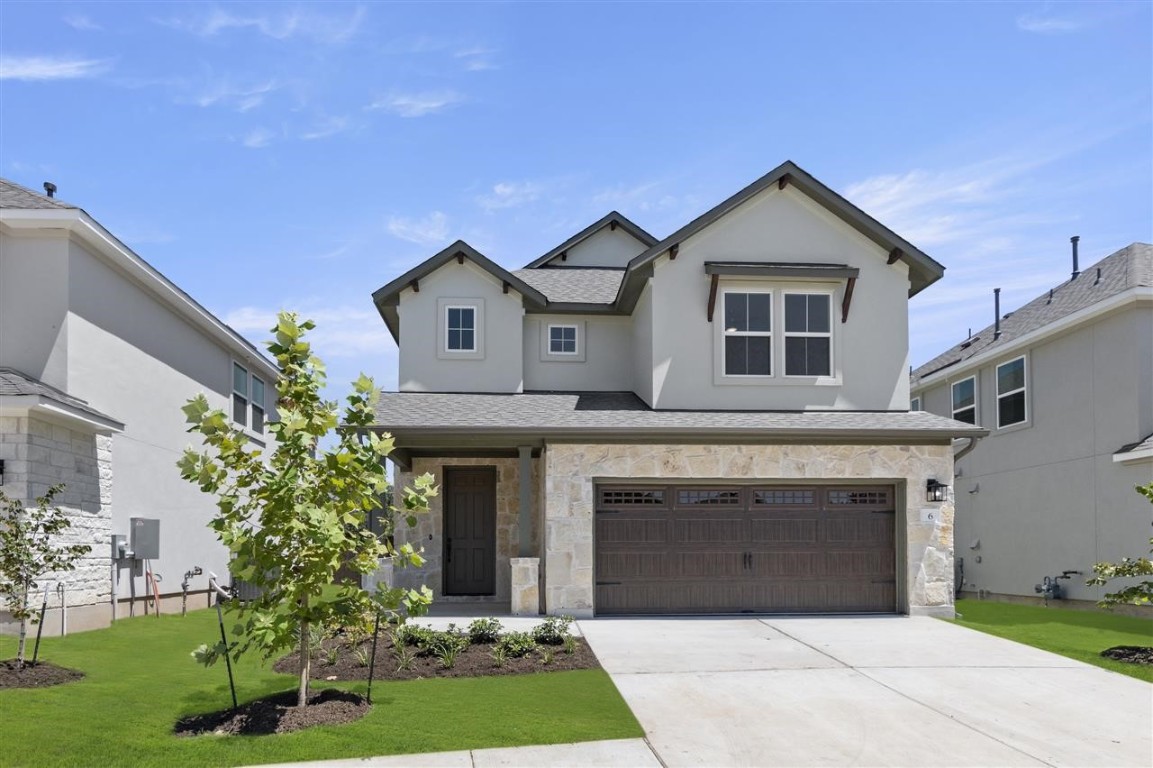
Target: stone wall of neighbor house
429,532
37,455
572,469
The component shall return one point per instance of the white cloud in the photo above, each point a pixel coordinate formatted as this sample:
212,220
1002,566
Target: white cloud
431,230
296,23
81,22
243,97
1043,24
325,127
341,331
509,194
257,138
50,68
476,58
417,104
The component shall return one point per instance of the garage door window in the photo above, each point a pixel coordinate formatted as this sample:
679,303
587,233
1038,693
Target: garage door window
785,498
628,498
697,497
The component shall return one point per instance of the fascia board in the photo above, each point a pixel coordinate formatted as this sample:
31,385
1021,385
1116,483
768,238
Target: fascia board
965,368
58,412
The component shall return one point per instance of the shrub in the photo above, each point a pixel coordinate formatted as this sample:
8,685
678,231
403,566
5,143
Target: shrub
570,645
362,656
516,644
499,655
439,644
412,635
484,631
547,654
553,630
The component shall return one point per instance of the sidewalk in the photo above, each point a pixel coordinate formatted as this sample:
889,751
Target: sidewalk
625,753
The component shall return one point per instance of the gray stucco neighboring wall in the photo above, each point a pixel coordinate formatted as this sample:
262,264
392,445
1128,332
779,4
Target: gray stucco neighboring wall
423,365
642,369
1047,496
870,350
34,307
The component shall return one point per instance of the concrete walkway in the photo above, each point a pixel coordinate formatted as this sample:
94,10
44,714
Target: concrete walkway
593,754
866,691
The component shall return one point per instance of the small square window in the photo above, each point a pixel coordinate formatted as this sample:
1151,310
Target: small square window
460,329
1011,384
562,340
965,400
915,404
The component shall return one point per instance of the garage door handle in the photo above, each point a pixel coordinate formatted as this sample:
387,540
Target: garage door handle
608,583
748,560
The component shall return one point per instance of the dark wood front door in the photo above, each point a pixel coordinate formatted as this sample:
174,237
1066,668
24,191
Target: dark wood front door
470,531
728,549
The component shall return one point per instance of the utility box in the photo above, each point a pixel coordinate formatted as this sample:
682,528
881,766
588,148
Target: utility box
145,538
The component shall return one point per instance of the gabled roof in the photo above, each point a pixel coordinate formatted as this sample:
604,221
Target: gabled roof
13,195
14,383
387,297
1130,267
612,219
923,271
575,285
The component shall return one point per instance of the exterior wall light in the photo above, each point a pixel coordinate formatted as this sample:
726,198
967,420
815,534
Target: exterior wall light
935,491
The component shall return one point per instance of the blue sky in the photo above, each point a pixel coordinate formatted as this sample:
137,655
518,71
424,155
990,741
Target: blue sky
301,155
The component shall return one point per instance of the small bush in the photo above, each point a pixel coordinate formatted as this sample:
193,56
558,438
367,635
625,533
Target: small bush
553,630
499,656
517,644
547,654
403,654
570,645
438,644
484,631
412,635
361,655
330,656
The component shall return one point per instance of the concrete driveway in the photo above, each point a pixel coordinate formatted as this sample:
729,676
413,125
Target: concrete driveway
866,691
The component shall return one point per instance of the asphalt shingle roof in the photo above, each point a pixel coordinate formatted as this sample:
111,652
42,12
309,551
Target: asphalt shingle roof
1129,267
1144,445
567,412
13,382
577,285
13,195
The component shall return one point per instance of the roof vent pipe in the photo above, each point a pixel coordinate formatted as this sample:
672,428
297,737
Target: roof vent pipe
1076,269
1098,280
50,188
996,313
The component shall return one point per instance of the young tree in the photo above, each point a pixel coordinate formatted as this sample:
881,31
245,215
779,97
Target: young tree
293,520
1140,593
29,549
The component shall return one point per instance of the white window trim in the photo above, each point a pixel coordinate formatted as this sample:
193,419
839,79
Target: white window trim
1024,389
475,330
576,339
246,426
807,334
954,410
759,334
915,403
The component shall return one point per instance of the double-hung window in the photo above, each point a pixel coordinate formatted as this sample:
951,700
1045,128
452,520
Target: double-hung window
748,334
460,329
247,399
1011,408
257,405
965,400
915,404
808,334
562,340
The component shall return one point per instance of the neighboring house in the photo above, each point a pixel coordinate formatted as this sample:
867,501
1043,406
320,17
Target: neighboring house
714,422
98,352
1065,386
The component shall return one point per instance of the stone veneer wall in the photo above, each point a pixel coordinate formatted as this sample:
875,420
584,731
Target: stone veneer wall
432,524
570,471
38,454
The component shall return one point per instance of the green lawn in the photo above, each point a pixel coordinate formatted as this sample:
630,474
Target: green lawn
1080,635
141,679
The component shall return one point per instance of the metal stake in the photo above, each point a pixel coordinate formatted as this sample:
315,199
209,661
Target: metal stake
372,659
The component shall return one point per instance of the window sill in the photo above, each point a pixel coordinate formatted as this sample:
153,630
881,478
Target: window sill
776,381
1013,428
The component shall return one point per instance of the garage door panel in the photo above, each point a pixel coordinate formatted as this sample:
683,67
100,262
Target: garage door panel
720,530
859,530
632,565
613,530
783,531
709,565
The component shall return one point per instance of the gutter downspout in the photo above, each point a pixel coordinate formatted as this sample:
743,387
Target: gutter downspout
965,451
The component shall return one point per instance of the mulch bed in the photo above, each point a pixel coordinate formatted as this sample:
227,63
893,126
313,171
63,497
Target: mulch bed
1130,654
278,714
39,675
475,661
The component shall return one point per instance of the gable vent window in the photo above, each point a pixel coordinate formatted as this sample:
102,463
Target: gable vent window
562,339
460,329
748,334
1011,407
965,400
808,334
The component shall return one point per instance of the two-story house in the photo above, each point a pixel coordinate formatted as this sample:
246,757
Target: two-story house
98,352
717,421
1065,386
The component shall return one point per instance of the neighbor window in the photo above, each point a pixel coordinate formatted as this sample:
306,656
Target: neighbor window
460,329
1011,393
240,394
965,400
915,404
748,334
808,334
562,339
257,405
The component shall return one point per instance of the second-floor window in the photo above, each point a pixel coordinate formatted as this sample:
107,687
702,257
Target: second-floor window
748,334
1011,393
808,334
247,399
562,340
965,400
460,329
915,404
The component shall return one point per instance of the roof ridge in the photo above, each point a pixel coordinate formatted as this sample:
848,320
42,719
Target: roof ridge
42,200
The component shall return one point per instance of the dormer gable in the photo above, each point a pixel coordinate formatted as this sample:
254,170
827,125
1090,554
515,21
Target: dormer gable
610,242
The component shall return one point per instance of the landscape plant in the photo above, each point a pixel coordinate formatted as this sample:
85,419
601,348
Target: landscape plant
30,548
1140,593
516,644
553,630
292,518
484,630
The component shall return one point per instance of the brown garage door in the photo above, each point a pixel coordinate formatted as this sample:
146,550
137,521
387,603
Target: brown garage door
728,549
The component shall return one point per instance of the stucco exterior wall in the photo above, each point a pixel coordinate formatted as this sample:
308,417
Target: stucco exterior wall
572,470
870,350
429,531
642,367
34,307
499,366
1051,483
604,362
606,248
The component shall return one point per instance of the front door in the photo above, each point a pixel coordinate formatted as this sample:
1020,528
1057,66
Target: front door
470,531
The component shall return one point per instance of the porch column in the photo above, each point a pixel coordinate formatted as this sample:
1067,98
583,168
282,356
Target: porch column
526,568
524,518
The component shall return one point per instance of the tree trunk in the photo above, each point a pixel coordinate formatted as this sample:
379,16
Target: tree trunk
305,666
23,632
